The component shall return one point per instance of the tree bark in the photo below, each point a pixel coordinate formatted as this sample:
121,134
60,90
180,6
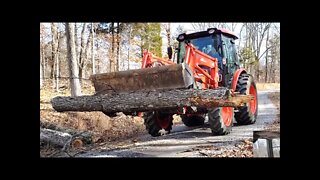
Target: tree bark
44,62
77,41
112,60
92,51
61,52
54,46
82,51
168,31
129,43
54,137
57,62
118,47
72,62
266,76
152,100
41,75
86,56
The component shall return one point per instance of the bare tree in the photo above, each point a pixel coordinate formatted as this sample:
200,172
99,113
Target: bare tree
82,51
61,52
205,26
41,55
73,65
255,35
92,51
112,60
130,29
86,52
266,66
54,46
57,63
167,28
118,47
41,76
275,58
262,29
233,26
77,42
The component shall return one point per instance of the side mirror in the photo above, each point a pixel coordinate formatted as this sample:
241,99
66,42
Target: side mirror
169,52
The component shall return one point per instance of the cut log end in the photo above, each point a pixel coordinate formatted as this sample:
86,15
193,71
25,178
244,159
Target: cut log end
77,143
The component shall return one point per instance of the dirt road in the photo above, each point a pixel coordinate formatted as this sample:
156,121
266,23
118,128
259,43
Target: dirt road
184,141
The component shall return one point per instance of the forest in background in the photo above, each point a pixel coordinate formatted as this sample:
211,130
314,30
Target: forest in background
116,46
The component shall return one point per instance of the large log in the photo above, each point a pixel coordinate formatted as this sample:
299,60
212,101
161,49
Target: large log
150,101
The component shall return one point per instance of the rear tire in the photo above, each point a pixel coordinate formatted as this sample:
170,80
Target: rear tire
157,123
221,120
247,114
192,120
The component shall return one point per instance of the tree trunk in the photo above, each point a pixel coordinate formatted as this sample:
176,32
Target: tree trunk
54,137
61,49
82,52
98,60
86,56
118,48
112,60
92,51
266,76
43,63
73,65
63,137
151,100
41,75
57,63
168,30
77,42
129,45
270,69
54,46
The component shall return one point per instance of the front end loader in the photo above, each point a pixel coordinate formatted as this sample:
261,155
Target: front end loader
204,79
205,60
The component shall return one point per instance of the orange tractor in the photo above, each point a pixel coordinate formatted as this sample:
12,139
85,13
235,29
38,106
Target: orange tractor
211,57
205,63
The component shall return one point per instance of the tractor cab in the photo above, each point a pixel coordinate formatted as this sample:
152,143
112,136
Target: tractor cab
217,43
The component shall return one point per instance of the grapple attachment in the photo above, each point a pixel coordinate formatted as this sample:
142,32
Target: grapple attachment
176,76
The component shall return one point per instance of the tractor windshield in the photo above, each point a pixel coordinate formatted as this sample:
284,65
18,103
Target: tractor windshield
208,45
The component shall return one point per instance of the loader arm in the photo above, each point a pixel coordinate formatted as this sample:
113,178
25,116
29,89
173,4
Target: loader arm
204,67
148,60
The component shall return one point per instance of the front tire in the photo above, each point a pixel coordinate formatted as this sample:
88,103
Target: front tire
221,120
158,123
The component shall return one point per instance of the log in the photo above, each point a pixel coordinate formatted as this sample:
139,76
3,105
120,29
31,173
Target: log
141,101
54,137
61,137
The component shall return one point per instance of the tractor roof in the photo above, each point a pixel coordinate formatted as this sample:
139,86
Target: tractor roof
207,32
227,32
